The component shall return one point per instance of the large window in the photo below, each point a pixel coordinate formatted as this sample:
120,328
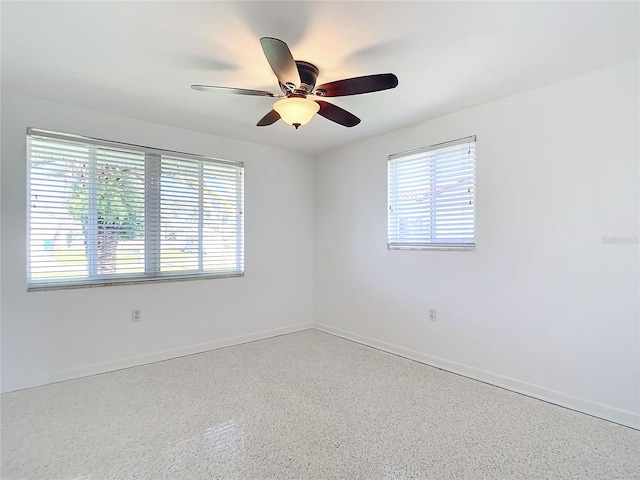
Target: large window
432,197
103,212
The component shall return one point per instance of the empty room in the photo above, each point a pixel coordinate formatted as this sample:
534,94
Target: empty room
320,239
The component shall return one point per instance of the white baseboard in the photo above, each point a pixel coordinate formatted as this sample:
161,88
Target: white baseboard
135,361
623,417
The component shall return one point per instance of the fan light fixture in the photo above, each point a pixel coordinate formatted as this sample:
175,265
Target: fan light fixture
296,111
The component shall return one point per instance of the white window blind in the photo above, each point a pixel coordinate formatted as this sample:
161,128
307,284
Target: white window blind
103,212
431,197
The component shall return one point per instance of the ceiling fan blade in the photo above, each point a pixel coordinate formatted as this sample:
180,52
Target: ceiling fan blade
337,114
268,119
281,61
237,91
358,85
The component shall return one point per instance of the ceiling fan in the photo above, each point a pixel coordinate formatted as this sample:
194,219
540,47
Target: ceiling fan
297,80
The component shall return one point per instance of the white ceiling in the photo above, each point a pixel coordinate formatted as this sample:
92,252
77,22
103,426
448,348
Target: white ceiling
138,59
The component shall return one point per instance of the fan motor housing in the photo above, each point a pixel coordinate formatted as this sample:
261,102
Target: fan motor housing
308,75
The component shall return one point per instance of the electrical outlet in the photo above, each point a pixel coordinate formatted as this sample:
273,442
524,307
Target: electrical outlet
432,314
136,315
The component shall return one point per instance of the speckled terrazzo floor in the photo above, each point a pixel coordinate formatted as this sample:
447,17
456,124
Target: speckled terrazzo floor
302,406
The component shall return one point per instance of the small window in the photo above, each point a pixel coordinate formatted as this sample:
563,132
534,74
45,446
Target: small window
432,197
103,212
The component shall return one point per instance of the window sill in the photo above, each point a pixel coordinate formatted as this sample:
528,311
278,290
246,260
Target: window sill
466,248
37,287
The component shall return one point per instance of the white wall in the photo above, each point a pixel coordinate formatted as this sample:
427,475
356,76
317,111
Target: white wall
543,305
54,335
